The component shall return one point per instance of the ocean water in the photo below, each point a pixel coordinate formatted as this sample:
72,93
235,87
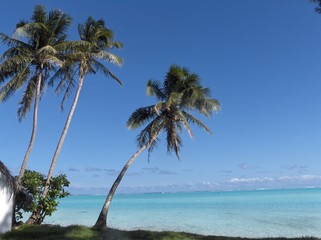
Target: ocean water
261,213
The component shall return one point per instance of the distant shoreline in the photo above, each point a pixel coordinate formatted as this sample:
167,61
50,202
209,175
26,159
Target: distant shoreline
214,191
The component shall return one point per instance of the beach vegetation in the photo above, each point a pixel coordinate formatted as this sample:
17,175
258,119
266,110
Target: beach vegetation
180,92
76,232
81,57
28,61
33,182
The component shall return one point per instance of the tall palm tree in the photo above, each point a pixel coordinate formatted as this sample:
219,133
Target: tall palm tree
82,57
29,63
181,91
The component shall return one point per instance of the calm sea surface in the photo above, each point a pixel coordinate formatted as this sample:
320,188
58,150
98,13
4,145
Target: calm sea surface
266,213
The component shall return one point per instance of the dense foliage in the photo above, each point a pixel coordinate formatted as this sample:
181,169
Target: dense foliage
34,183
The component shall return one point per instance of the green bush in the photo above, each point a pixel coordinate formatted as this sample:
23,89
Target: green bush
33,182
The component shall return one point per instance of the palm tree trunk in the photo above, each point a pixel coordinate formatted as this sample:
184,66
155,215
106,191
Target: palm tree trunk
62,137
34,129
35,217
102,218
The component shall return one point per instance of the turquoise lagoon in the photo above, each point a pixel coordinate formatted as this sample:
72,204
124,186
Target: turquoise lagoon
260,213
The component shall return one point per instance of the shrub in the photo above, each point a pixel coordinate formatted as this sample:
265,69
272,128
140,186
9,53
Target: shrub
33,182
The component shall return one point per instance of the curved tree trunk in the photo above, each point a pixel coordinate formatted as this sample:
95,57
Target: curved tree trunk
102,218
62,137
34,129
35,217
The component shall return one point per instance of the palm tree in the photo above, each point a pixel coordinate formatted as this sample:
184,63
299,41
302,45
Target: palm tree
181,91
318,8
84,57
29,63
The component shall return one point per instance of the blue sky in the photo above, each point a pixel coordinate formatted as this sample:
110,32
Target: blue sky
261,59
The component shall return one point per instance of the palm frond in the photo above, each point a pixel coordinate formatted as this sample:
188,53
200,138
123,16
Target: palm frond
14,84
154,89
107,56
65,74
49,60
71,47
104,37
192,79
318,8
45,74
97,33
13,66
27,97
174,142
183,119
9,179
193,93
58,23
175,98
67,93
190,118
9,53
66,83
47,50
175,79
140,116
102,68
35,32
159,107
117,44
39,14
149,135
15,62
13,42
206,106
145,136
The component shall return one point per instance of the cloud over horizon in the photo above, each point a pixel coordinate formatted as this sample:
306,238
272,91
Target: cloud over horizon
93,169
73,169
300,181
156,170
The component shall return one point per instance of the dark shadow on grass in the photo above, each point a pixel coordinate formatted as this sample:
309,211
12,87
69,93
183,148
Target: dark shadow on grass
76,232
52,232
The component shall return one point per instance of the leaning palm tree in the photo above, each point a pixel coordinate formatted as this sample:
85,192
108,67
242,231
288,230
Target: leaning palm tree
181,91
82,57
29,63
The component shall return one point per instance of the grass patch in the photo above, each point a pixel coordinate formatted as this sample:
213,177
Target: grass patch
76,232
52,232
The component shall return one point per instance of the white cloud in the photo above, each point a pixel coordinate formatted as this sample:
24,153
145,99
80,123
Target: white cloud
237,183
301,178
299,181
310,177
250,180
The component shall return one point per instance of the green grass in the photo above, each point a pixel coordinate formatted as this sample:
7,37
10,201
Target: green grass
53,232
